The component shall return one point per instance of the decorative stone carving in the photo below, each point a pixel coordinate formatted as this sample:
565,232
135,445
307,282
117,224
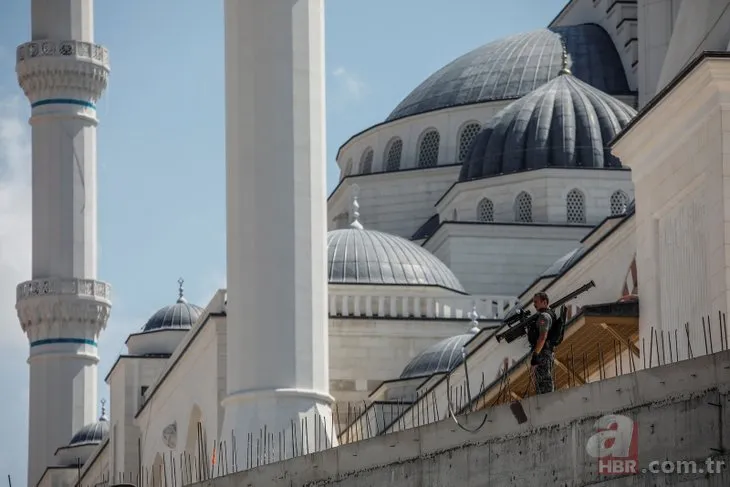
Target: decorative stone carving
48,307
169,435
62,69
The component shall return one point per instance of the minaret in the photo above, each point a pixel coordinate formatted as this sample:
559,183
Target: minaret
63,308
277,335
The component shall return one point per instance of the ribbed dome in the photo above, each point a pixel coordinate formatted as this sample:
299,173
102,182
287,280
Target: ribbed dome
564,123
91,433
358,256
440,357
181,315
512,67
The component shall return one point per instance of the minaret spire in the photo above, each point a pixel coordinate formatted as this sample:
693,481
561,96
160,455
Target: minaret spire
474,316
63,308
180,298
564,69
103,417
356,208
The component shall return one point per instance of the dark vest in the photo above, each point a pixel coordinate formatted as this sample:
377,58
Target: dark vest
533,332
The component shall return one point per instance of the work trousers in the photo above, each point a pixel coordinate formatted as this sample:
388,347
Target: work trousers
544,372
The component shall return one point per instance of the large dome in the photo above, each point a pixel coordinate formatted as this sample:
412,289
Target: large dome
440,357
358,256
564,123
513,67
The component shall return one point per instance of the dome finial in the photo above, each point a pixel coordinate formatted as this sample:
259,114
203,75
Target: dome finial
564,69
180,298
356,208
474,316
103,410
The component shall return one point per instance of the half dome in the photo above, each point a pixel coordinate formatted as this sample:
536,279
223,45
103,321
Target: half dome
565,123
512,67
358,256
440,357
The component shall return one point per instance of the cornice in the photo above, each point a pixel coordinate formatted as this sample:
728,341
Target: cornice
672,114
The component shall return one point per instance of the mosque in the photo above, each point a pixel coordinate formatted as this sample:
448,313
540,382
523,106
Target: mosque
588,150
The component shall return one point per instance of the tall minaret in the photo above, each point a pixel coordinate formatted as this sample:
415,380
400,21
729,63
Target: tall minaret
63,308
277,347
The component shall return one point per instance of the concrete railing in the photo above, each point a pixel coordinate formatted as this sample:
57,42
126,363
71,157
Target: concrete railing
386,305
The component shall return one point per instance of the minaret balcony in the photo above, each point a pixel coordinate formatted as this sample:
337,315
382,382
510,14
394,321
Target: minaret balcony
54,304
51,69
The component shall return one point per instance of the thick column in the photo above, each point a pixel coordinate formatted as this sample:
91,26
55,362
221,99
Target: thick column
277,356
63,308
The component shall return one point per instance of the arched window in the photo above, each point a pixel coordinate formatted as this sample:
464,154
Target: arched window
523,208
619,202
466,139
366,163
393,155
485,210
575,204
428,152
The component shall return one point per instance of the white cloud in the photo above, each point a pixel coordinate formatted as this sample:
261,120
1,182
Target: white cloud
15,255
350,83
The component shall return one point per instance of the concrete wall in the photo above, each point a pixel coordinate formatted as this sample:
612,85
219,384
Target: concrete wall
680,411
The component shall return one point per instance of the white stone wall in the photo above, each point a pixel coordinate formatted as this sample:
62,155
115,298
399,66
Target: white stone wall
502,259
449,124
98,469
126,382
366,352
656,23
548,189
190,389
678,154
701,25
397,203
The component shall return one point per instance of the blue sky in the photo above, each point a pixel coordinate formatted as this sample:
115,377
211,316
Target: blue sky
160,145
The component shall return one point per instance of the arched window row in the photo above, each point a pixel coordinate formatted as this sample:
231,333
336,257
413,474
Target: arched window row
575,207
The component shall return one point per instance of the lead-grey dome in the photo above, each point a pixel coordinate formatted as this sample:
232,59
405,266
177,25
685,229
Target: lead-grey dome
440,357
564,123
510,68
91,433
179,316
358,256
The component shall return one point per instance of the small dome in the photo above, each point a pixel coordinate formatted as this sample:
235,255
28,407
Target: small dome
440,357
564,123
358,256
93,432
179,316
512,67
